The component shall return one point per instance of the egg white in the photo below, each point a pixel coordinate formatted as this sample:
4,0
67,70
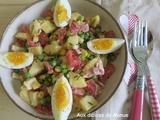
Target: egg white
67,6
61,114
6,63
117,44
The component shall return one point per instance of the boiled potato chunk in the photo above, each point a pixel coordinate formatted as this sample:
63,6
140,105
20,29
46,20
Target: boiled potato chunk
24,94
75,16
32,83
37,50
53,48
36,68
73,41
35,28
90,64
87,102
94,21
48,27
76,80
104,60
22,36
34,99
15,76
17,48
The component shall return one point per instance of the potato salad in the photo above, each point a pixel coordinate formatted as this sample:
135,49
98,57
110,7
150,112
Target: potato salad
65,74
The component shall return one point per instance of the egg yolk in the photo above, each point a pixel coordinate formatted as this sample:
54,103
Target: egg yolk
61,14
17,58
62,96
103,44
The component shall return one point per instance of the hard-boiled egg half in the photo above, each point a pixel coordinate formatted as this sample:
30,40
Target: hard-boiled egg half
62,13
61,99
16,60
105,45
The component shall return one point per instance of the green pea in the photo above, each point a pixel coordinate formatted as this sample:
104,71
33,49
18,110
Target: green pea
94,77
90,57
48,98
111,57
41,81
81,36
83,45
52,40
17,71
68,35
53,63
81,18
64,70
96,55
27,45
46,83
43,100
82,57
80,33
91,35
42,19
97,30
47,76
63,65
27,75
58,62
49,79
86,37
25,50
40,57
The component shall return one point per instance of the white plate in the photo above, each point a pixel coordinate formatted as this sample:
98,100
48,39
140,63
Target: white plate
34,11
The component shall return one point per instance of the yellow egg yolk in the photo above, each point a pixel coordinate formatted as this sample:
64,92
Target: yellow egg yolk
103,44
61,14
62,96
17,58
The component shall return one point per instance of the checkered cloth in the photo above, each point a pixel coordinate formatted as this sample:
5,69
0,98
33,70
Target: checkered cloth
127,12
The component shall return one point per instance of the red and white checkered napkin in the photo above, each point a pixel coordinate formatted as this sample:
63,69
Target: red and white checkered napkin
155,104
154,100
127,12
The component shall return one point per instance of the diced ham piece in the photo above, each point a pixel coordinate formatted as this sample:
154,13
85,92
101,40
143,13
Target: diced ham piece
48,13
85,28
78,67
97,69
22,43
92,88
78,91
44,89
61,34
48,66
73,59
26,29
43,38
33,44
109,69
75,27
109,34
45,109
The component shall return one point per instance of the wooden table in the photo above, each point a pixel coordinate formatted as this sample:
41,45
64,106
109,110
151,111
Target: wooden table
8,9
